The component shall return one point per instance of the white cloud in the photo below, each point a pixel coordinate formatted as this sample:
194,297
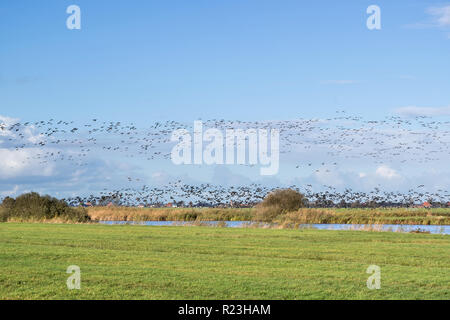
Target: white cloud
6,122
17,163
441,15
413,111
28,132
386,172
14,163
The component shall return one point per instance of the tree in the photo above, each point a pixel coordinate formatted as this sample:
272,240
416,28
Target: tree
32,206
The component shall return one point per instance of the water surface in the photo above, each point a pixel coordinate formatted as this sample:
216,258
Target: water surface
442,229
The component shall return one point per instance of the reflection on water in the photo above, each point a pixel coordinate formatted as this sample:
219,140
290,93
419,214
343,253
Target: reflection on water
445,229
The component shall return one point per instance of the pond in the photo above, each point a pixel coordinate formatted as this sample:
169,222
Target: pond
435,229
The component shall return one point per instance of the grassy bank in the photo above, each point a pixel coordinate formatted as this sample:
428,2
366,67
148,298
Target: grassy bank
139,262
307,215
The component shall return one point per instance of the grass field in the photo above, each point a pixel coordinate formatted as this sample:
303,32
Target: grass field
141,262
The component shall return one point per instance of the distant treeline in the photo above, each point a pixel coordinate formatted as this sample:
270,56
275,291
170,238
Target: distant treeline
308,204
216,196
318,201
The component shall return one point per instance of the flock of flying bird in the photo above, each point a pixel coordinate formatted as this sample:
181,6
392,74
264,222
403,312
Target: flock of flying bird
323,145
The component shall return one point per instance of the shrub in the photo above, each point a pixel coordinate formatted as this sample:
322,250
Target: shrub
279,203
3,215
32,206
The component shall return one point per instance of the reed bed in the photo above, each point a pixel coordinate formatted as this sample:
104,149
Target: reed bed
169,214
407,216
59,220
439,216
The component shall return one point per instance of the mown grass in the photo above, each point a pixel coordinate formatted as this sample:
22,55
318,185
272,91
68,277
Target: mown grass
141,262
436,216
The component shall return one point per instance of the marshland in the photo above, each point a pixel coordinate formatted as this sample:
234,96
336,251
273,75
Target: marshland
413,216
284,207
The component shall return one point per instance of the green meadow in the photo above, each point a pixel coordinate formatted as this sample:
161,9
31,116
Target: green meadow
142,262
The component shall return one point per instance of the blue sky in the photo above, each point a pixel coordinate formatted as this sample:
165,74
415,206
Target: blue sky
144,61
219,59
